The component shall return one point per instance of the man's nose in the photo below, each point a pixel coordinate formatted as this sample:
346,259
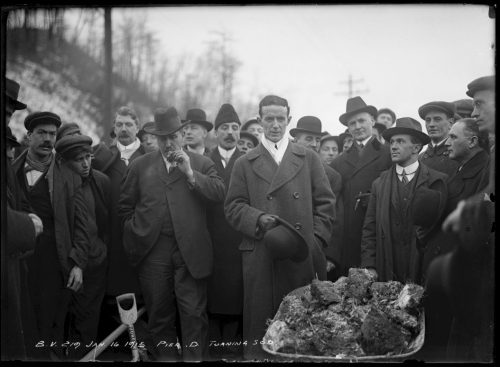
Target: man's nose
474,113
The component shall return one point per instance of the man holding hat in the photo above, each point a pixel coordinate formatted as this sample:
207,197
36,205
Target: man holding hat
277,182
61,252
308,134
438,117
466,276
359,166
397,223
196,128
163,204
225,286
75,152
22,228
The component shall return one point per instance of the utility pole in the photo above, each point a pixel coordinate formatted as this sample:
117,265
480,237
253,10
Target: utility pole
350,90
108,74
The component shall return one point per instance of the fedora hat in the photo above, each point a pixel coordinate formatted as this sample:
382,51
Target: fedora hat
11,139
485,82
141,131
167,121
285,242
307,124
197,116
39,118
407,125
356,105
12,92
226,114
446,107
247,124
252,137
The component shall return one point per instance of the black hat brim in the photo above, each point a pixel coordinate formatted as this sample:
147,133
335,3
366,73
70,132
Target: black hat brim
303,249
344,118
252,137
206,124
153,131
17,105
295,131
424,138
13,142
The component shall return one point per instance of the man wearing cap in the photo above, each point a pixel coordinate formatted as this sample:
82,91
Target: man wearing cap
148,141
70,128
465,277
196,128
61,252
393,230
386,117
113,161
275,182
329,148
22,228
253,127
438,117
75,152
464,107
163,205
359,166
247,142
308,134
225,286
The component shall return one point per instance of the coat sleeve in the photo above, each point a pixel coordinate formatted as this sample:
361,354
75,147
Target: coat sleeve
20,232
239,214
81,240
208,184
369,232
323,202
129,194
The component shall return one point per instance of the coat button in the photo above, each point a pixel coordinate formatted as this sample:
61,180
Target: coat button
298,226
296,195
269,197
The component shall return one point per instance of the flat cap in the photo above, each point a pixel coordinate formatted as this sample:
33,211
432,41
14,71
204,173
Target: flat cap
69,143
71,128
464,107
485,82
446,107
38,118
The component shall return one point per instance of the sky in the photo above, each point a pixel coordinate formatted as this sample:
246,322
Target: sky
403,55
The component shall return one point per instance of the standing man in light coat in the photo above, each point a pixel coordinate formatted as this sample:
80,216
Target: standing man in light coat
277,179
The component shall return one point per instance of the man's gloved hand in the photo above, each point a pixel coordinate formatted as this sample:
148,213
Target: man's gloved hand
267,221
37,223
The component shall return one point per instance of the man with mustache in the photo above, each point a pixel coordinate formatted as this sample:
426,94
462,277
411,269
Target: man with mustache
163,204
225,287
394,230
61,252
196,128
439,116
359,166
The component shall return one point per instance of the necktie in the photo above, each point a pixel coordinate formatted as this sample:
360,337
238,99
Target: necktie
404,179
276,146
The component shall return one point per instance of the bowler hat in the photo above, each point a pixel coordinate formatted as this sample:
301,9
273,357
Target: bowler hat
70,128
12,92
407,125
226,114
464,107
70,144
356,105
103,157
485,82
327,137
285,242
11,139
252,137
426,207
141,131
307,124
198,116
446,107
167,121
38,118
247,124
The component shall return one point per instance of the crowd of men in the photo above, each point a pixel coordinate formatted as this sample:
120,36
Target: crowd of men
210,240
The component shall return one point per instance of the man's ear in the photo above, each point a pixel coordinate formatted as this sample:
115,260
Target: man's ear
259,119
289,119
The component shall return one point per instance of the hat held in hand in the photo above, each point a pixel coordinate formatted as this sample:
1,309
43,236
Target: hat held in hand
285,242
425,209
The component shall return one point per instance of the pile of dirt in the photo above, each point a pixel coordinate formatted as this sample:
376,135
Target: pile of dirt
353,317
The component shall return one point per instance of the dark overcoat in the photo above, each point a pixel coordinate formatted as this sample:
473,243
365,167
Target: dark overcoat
298,191
376,242
358,172
146,191
225,286
438,159
332,251
121,276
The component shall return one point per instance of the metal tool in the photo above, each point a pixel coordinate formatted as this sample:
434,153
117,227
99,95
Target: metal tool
127,308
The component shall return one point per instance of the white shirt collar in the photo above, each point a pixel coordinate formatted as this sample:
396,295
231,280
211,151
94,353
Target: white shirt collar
226,154
364,142
126,151
408,169
439,143
277,150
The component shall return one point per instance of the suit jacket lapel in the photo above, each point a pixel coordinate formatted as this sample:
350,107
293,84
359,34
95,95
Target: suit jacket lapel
292,162
217,159
368,155
263,165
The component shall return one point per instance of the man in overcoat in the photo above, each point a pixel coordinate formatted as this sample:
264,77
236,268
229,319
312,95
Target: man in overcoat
359,166
163,205
225,285
439,116
61,252
392,232
278,178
